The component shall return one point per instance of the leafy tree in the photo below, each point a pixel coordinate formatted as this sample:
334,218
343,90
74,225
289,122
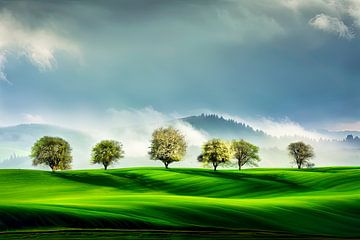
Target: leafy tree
167,145
54,152
215,152
107,152
302,153
245,153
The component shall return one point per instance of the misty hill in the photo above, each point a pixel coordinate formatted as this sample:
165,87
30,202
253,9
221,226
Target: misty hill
15,161
217,126
25,131
16,142
340,135
347,138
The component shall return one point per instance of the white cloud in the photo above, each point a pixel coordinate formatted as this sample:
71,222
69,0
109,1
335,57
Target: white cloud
193,136
277,128
132,127
135,126
284,127
36,44
33,118
332,25
354,11
2,66
346,9
346,126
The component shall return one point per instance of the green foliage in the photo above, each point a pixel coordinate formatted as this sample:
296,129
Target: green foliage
302,153
54,152
215,152
167,145
245,153
107,152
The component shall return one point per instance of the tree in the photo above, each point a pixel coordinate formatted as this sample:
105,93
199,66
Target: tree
215,152
167,145
245,153
54,152
302,153
349,138
107,152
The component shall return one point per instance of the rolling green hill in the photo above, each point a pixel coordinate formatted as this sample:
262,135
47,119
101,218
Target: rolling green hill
320,201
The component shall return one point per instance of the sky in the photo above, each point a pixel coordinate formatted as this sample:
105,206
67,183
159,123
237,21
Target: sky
289,62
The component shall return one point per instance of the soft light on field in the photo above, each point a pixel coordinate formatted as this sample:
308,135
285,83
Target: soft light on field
322,201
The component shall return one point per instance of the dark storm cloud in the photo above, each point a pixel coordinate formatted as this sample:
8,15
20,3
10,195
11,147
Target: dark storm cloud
242,57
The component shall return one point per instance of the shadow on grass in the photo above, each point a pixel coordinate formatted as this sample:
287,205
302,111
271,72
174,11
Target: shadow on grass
12,217
208,184
240,176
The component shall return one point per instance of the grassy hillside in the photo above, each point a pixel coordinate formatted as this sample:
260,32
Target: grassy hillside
323,201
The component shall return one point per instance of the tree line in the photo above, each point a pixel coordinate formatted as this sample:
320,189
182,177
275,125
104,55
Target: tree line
168,145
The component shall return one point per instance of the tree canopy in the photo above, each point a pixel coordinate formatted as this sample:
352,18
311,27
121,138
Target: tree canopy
301,153
245,153
107,152
54,152
215,152
167,145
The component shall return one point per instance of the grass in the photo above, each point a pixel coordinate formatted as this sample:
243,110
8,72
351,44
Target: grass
320,201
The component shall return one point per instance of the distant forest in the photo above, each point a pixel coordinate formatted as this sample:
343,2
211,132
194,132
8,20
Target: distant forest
352,139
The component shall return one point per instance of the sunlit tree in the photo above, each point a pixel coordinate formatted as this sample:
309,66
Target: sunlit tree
215,152
53,152
245,153
167,145
301,154
107,152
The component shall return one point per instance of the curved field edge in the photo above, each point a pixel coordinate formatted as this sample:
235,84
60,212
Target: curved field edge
321,201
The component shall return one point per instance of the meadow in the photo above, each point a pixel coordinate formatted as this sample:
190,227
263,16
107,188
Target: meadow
318,202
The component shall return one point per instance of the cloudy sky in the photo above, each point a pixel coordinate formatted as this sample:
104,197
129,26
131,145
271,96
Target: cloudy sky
282,59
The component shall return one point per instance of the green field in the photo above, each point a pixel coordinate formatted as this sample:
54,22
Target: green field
320,201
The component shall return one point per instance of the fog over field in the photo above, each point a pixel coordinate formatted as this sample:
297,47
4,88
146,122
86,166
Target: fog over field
133,127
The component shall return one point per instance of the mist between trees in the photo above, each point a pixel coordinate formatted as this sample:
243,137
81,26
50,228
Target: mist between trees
168,145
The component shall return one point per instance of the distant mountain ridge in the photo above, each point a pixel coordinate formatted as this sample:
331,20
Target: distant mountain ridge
16,142
218,126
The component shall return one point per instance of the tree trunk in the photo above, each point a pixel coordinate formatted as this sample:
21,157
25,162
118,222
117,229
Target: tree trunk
215,166
166,165
239,165
298,162
105,166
